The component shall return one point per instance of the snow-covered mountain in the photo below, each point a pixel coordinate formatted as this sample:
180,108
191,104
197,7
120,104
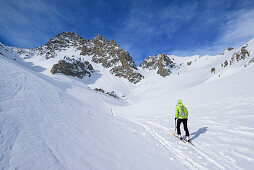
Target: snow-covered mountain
72,55
161,62
98,50
76,103
229,59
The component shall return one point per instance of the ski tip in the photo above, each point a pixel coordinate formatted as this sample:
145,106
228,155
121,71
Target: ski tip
190,143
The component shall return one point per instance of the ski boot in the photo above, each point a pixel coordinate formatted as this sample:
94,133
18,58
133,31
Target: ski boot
179,137
187,139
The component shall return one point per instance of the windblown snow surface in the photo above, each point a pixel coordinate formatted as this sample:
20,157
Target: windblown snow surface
60,122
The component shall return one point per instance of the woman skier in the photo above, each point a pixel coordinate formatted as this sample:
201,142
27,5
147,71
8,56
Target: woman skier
181,115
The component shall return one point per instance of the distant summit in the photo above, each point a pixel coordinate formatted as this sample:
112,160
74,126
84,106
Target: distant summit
70,54
110,55
104,52
161,62
64,40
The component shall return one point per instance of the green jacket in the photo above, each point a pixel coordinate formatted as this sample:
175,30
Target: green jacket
181,111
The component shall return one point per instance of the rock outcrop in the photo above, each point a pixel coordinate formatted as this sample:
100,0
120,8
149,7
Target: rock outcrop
230,48
73,67
110,55
213,70
104,52
161,62
240,55
111,93
59,43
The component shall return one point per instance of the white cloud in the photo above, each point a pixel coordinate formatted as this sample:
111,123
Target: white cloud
236,32
239,28
28,23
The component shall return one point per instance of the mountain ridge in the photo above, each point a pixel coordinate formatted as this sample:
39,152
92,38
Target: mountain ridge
119,63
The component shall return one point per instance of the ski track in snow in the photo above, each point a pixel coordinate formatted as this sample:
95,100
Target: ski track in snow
169,146
188,150
178,154
201,151
181,151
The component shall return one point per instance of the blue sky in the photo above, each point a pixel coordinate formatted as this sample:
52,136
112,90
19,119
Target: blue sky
142,27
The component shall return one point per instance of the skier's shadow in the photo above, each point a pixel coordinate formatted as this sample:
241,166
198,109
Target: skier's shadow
199,132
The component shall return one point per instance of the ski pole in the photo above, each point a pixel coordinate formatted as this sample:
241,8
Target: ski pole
175,124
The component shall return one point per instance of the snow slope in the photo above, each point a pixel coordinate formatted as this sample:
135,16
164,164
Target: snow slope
221,121
42,127
60,122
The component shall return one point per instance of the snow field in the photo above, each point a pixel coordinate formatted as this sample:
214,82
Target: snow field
60,122
42,126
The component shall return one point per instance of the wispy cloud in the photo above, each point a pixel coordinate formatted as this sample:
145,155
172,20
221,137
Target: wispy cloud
27,24
238,29
147,21
148,28
235,32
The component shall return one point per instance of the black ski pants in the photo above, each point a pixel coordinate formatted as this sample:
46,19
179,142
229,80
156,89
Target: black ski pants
179,121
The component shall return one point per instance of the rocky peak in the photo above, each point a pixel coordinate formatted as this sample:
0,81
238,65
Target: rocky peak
161,62
110,55
104,52
230,48
64,40
99,40
68,35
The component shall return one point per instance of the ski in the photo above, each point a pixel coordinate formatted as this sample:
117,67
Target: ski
189,142
183,140
178,138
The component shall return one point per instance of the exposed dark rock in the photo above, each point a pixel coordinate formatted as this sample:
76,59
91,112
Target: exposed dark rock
161,62
129,74
212,70
110,55
61,42
230,48
189,63
64,40
226,63
240,55
112,93
99,90
163,71
72,67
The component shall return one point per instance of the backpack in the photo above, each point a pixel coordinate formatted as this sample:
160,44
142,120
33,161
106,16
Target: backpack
184,111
